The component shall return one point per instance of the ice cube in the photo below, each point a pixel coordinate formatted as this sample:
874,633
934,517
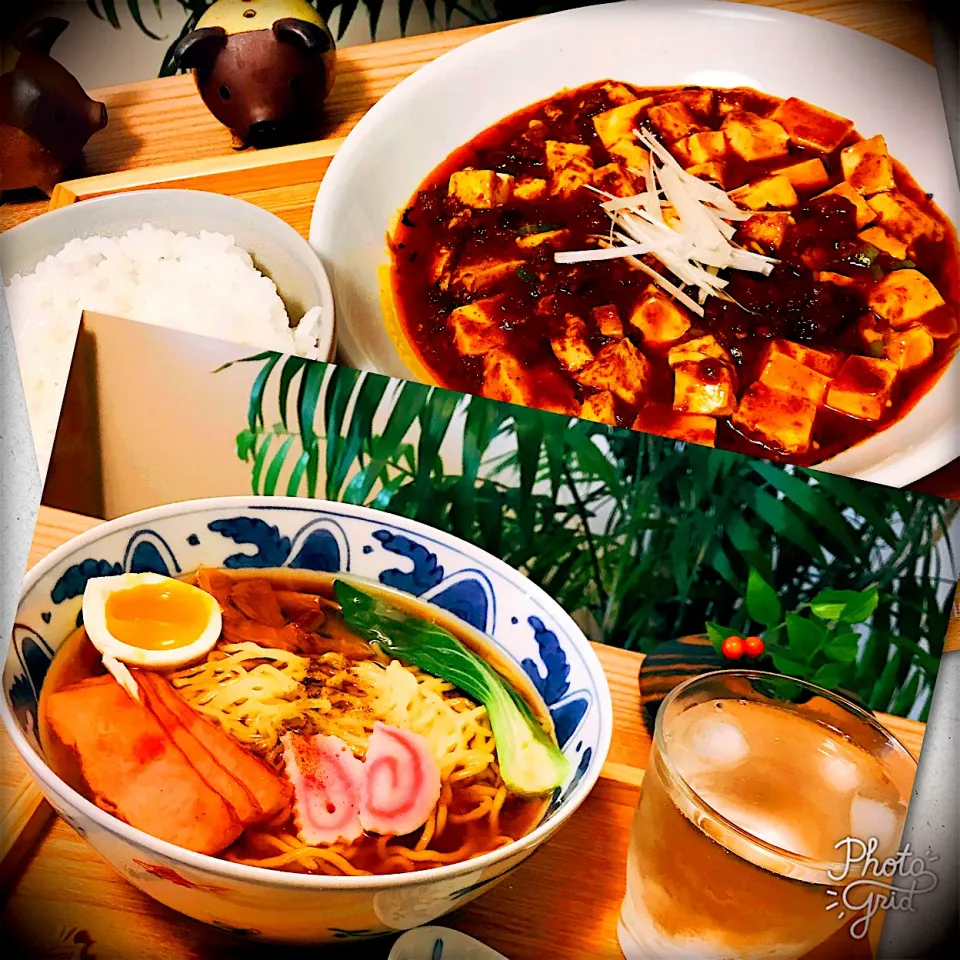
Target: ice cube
716,743
840,772
871,818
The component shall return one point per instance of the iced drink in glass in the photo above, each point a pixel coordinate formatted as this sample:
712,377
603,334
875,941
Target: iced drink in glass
755,787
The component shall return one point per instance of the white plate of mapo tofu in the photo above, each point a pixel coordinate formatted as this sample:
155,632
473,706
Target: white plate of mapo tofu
711,264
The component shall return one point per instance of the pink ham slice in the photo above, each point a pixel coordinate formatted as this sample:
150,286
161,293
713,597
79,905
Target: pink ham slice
401,783
134,770
269,791
242,802
326,779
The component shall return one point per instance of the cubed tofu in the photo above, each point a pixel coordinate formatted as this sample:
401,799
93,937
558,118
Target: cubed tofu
620,368
863,388
715,172
808,176
560,154
618,124
659,318
754,138
478,277
664,421
607,319
704,386
879,238
820,360
570,344
476,326
673,121
867,166
767,230
505,378
700,100
615,180
770,193
481,189
909,349
781,421
865,214
698,349
903,298
618,93
570,165
530,188
599,408
570,179
632,155
738,99
811,126
899,215
550,238
700,148
784,373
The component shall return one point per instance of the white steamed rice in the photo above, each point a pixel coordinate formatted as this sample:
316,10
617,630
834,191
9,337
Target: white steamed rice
202,284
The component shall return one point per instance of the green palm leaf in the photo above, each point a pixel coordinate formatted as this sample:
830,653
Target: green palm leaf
645,538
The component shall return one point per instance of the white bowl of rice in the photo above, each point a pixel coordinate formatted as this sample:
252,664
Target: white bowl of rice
182,259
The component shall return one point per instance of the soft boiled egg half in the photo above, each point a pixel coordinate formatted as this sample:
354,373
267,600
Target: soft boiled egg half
148,620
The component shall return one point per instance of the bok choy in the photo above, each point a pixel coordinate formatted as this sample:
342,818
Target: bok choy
530,762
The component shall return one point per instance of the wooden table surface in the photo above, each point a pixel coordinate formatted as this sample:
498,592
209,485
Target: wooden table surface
60,888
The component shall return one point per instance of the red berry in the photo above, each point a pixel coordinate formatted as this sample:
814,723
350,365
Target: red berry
732,648
753,646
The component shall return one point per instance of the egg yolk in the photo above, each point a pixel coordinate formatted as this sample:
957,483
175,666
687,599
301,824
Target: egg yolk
158,616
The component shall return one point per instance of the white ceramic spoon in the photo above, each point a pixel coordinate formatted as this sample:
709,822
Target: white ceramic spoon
440,943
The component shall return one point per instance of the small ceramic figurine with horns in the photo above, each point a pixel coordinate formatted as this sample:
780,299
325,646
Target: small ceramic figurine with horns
263,67
46,118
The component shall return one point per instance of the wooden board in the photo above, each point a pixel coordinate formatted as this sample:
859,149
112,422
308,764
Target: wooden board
283,180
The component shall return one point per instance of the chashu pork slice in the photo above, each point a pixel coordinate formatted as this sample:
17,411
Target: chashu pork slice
271,793
135,771
240,799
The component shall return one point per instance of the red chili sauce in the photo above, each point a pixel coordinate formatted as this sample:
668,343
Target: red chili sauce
790,304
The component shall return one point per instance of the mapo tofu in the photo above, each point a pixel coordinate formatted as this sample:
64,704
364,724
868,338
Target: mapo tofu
717,266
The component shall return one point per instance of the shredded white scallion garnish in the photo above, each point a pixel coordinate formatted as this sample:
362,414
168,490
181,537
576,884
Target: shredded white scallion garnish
696,243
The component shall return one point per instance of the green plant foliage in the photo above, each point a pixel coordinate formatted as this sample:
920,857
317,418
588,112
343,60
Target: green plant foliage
642,539
820,642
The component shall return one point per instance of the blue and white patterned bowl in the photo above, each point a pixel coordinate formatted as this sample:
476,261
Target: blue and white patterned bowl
250,532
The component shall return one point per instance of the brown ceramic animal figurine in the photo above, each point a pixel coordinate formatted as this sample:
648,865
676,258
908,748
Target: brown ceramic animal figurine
46,118
263,67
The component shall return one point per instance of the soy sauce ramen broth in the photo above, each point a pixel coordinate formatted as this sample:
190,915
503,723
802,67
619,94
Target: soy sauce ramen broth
459,839
445,255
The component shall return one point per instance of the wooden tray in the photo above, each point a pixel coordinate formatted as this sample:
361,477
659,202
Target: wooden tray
155,123
60,885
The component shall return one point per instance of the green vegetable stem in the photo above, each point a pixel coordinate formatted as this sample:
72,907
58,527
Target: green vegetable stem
530,762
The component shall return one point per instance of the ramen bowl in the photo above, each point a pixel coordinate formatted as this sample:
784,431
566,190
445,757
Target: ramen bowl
528,630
